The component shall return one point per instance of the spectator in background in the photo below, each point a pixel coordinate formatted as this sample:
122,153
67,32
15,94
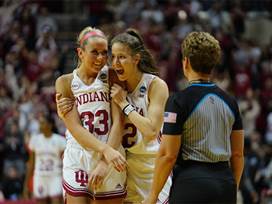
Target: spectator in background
14,156
252,164
2,197
14,152
45,19
268,134
12,183
250,110
28,24
46,46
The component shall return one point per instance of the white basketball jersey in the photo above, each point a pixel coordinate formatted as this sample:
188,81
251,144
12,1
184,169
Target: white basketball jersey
93,105
133,138
48,153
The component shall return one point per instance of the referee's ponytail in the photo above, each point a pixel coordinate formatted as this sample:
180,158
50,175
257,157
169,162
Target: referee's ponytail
135,42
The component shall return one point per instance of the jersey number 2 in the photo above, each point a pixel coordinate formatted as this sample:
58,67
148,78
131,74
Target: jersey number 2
88,118
129,139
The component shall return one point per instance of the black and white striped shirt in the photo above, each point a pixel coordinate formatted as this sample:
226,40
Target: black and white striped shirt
204,116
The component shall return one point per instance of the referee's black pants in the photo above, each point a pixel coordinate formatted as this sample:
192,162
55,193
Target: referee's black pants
198,182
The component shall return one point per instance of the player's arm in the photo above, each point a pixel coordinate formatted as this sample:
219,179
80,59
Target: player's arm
150,125
237,155
166,158
115,137
29,173
86,139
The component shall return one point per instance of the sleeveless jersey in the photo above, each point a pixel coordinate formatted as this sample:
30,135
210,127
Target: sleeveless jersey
133,138
48,151
93,105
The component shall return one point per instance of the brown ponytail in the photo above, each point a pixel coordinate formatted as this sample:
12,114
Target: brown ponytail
135,42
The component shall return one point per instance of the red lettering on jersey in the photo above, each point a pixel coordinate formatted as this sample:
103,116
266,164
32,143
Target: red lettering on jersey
85,98
139,110
78,101
96,97
104,96
81,177
92,97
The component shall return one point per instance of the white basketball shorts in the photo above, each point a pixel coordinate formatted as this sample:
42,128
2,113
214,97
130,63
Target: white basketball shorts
47,186
77,166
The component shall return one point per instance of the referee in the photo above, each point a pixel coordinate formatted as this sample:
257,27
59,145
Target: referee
202,134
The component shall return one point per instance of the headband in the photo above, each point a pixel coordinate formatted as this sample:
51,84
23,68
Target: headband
90,34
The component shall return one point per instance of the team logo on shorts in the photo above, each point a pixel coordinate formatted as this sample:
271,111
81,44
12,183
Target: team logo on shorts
75,86
81,177
103,77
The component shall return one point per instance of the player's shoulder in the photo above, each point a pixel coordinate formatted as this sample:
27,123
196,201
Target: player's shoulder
64,79
158,84
63,85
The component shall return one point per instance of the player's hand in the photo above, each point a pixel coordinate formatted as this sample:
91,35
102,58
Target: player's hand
115,158
119,95
64,105
98,174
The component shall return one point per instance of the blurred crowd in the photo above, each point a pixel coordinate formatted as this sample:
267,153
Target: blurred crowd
31,58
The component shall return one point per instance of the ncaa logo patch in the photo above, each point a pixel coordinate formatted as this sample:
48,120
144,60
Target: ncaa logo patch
75,86
103,77
142,89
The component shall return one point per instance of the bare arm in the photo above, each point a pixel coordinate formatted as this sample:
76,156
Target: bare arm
29,173
97,176
86,139
237,155
115,137
166,158
151,124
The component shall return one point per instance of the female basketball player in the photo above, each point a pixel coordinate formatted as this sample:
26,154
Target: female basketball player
88,85
45,162
143,105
